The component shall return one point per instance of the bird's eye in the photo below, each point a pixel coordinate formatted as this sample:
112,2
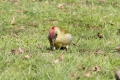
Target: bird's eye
55,36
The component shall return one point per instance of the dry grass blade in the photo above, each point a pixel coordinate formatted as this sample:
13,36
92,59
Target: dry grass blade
60,6
87,74
20,49
13,20
27,56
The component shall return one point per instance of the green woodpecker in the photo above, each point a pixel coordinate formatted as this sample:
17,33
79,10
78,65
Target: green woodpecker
59,38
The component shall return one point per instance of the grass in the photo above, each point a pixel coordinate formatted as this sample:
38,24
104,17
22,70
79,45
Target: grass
83,19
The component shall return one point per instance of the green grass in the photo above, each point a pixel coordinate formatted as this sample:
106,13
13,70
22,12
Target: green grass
33,19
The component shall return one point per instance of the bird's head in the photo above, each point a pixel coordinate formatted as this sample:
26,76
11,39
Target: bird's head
52,32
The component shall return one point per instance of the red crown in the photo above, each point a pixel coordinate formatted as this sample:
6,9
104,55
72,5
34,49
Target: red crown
53,28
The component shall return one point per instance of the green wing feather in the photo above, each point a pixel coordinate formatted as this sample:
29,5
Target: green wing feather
63,39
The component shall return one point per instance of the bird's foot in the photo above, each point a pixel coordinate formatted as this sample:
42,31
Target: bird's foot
53,48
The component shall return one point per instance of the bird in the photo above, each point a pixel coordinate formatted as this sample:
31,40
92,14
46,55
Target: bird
59,38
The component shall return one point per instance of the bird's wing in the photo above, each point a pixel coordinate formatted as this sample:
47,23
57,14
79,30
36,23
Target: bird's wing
64,39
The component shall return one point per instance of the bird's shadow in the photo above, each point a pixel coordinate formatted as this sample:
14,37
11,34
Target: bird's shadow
62,48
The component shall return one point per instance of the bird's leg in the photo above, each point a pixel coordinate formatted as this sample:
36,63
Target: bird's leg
67,48
53,47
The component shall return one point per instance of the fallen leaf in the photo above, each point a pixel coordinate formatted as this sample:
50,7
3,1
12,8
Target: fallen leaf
87,74
56,60
60,6
20,49
99,52
13,20
14,51
73,76
96,68
46,2
21,27
40,46
24,11
100,35
27,56
105,56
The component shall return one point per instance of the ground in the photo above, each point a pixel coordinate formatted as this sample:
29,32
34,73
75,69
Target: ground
24,47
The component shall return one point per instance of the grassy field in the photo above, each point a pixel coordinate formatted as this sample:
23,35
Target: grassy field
24,47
